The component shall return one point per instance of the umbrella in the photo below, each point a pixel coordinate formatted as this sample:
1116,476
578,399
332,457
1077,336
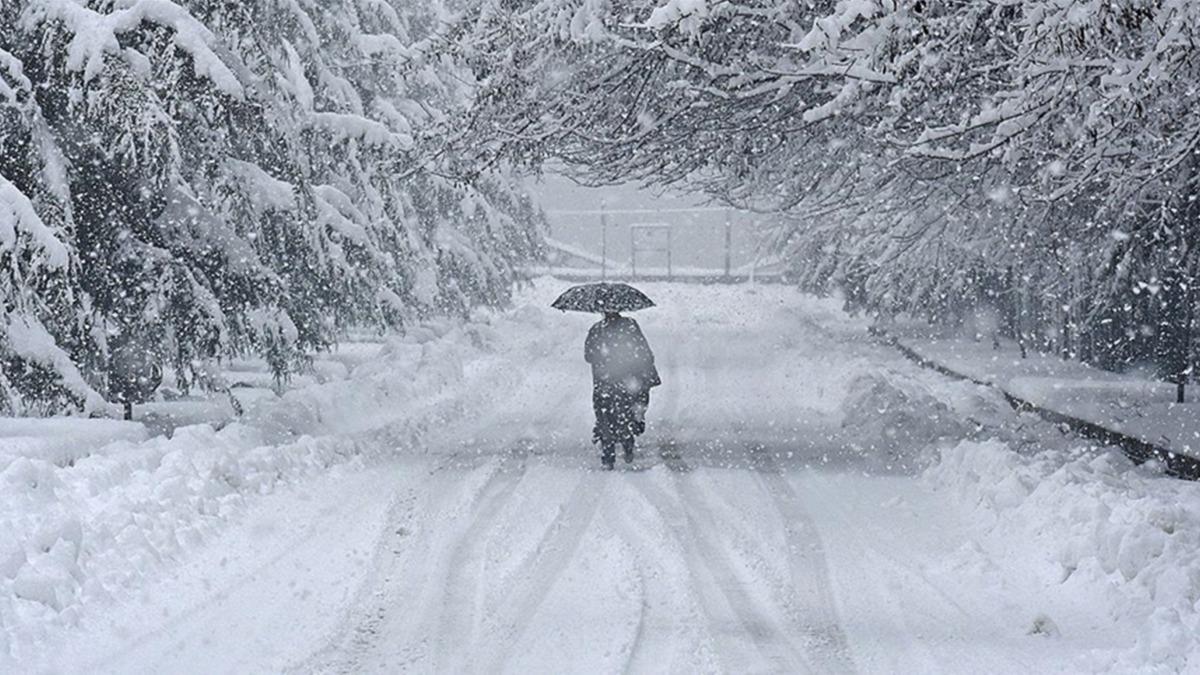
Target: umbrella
602,297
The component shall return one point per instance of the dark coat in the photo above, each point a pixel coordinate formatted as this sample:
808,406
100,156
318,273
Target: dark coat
620,355
622,374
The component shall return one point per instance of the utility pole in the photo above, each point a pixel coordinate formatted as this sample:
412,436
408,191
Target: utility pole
603,240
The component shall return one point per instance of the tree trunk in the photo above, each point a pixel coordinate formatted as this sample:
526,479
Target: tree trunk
1175,328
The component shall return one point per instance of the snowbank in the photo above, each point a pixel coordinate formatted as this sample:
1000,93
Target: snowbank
61,440
1102,527
91,516
895,423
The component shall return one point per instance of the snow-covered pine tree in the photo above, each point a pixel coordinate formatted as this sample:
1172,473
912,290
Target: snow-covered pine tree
45,336
236,177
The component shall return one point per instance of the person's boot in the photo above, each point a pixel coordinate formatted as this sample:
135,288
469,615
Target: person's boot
608,456
629,443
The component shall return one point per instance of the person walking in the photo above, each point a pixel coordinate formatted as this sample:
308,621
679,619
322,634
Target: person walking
623,372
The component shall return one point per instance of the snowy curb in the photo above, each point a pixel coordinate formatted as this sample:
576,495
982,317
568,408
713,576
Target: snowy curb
1138,450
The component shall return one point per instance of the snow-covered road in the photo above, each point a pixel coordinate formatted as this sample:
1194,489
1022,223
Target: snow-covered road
775,521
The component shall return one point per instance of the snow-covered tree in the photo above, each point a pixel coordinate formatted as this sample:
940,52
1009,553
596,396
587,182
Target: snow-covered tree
929,155
44,323
207,179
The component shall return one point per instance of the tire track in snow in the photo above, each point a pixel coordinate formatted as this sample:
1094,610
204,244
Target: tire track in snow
809,601
771,631
462,586
919,656
668,604
876,549
554,552
637,645
368,610
392,632
744,633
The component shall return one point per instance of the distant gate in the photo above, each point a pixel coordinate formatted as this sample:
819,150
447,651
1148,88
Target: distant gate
649,238
702,244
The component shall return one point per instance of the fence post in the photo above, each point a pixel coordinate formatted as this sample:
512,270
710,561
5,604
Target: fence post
603,241
728,243
669,246
633,252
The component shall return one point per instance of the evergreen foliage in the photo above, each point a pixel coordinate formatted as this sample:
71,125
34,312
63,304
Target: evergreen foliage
207,179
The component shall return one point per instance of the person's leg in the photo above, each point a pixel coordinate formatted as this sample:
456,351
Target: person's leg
602,407
625,419
599,402
608,454
604,404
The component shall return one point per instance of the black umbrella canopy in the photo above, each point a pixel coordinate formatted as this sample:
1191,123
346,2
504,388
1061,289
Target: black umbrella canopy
602,297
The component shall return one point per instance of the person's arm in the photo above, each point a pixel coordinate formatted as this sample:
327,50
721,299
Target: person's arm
649,373
642,344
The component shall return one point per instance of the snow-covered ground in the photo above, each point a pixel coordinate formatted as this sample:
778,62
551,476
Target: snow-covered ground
1133,404
805,500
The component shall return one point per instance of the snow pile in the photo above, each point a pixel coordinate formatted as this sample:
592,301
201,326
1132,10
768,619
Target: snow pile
62,440
101,524
421,365
894,422
1102,528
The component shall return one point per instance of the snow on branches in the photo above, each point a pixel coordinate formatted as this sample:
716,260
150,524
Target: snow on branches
95,34
19,219
929,155
211,179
